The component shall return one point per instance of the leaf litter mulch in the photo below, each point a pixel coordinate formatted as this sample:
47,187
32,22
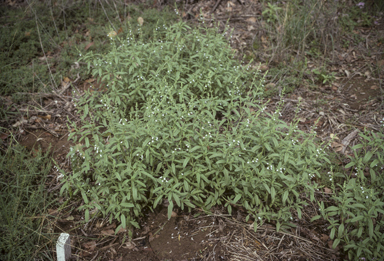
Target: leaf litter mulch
350,104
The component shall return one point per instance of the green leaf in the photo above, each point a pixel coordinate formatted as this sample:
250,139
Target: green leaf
332,235
341,231
358,146
85,198
87,215
85,111
229,207
86,141
118,176
286,156
350,164
315,218
146,142
374,163
176,198
355,219
123,221
373,175
273,193
157,201
194,148
360,232
285,196
336,243
170,209
135,224
275,142
185,162
118,228
370,227
158,167
367,156
173,168
358,205
267,147
127,205
278,225
332,208
238,196
267,188
134,192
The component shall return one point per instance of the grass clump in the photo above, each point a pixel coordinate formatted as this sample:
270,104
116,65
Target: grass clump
23,201
169,127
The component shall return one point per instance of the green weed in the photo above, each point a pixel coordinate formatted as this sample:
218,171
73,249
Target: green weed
169,128
357,216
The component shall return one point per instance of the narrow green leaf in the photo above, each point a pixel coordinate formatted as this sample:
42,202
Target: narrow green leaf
275,142
238,196
157,201
194,148
86,110
254,226
273,193
278,225
341,231
123,221
127,205
229,209
358,146
315,218
85,198
134,192
173,168
118,228
285,196
87,215
135,224
350,164
267,188
370,227
286,155
336,243
374,163
170,209
176,198
355,219
158,167
185,162
332,235
367,156
298,212
332,208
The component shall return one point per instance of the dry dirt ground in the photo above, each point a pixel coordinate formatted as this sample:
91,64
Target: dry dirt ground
353,102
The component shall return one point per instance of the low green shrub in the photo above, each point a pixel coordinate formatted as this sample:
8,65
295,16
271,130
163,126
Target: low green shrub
357,216
169,127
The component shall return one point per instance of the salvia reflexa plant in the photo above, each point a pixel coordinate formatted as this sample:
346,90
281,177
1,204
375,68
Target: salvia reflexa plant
182,121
